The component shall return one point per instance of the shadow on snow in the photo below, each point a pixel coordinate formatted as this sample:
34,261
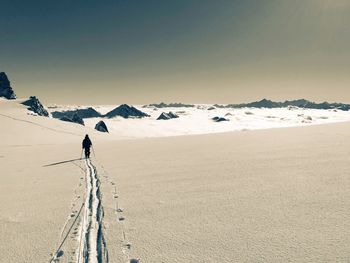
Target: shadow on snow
68,161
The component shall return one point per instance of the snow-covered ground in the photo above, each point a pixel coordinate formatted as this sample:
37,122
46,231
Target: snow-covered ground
198,120
274,195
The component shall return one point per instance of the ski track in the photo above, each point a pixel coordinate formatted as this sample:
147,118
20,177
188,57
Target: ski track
92,245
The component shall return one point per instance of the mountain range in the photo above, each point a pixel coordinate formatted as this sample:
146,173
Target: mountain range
300,103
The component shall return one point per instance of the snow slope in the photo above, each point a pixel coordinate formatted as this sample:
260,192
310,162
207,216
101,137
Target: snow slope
273,195
41,184
276,195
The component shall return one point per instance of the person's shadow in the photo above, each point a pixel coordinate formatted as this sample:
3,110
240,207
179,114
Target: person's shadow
68,161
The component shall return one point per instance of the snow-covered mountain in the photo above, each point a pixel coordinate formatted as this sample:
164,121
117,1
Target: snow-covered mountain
199,119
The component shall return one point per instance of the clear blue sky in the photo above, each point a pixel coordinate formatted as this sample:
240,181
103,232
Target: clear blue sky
109,52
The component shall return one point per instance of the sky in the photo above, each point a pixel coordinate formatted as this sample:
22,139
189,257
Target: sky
194,51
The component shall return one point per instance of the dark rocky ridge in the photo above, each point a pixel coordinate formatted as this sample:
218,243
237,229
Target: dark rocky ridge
301,103
74,118
35,105
219,119
101,126
6,90
126,111
167,116
83,113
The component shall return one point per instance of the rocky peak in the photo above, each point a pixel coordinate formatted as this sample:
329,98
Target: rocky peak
35,105
167,116
126,111
101,126
5,87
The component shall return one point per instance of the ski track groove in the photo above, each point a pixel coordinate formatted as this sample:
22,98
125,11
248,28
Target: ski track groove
91,242
92,248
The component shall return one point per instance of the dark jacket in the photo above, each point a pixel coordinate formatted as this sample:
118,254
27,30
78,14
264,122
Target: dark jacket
87,143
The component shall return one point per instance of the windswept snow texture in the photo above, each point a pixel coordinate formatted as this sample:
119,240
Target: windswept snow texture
199,120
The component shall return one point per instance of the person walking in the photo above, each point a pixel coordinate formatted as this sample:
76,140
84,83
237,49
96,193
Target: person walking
86,146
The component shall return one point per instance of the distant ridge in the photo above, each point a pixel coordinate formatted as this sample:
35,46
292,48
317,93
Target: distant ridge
83,113
300,103
75,118
169,105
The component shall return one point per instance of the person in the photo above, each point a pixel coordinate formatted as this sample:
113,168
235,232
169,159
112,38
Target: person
86,146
